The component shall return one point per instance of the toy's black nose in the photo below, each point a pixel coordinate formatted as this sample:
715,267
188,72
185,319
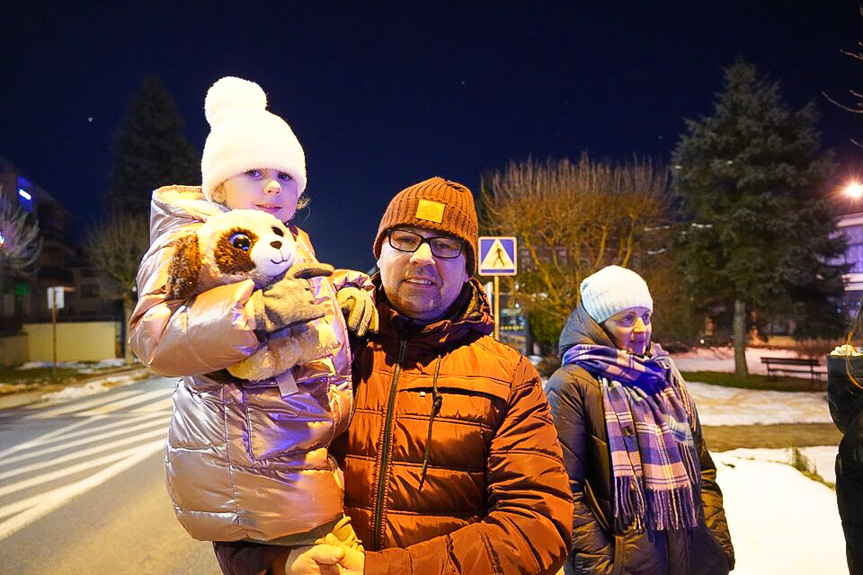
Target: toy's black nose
276,244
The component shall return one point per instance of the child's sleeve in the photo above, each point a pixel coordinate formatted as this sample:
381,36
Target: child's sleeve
206,333
351,278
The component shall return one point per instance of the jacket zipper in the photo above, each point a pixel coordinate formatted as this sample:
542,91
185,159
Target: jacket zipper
385,449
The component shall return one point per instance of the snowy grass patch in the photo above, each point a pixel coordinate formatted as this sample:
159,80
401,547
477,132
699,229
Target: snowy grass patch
780,521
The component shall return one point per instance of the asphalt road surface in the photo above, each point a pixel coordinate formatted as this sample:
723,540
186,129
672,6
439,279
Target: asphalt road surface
82,488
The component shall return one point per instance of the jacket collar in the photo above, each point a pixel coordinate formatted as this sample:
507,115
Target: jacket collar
581,329
469,318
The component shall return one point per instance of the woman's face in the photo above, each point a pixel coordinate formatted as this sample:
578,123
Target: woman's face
630,330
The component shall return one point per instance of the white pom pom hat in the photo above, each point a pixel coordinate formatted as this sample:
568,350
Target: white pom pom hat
612,290
245,136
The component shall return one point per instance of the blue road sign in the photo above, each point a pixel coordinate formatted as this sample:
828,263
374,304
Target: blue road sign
497,256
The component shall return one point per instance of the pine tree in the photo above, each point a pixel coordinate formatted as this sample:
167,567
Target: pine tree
759,232
149,150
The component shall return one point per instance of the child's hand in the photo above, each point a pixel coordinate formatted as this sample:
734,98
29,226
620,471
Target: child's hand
289,300
359,308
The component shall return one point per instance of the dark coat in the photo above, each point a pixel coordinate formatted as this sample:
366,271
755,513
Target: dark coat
846,407
494,497
575,397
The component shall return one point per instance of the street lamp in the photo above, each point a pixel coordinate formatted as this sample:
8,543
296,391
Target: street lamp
853,190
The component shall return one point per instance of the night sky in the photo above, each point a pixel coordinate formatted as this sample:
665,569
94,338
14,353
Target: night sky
392,93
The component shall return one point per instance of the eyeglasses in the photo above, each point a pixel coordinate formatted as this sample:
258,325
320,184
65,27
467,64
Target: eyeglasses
441,246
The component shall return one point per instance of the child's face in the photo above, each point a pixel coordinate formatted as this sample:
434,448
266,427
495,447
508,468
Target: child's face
266,190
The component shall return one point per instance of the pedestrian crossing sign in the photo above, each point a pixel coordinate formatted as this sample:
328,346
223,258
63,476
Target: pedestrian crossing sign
497,256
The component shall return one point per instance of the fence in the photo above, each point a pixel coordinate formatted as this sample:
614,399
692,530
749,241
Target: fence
76,341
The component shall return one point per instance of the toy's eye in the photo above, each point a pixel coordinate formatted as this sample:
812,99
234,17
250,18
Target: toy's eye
241,241
278,231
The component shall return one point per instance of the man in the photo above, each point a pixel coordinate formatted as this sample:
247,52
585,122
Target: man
451,461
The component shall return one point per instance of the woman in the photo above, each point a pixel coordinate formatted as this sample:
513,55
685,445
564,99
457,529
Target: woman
644,485
845,397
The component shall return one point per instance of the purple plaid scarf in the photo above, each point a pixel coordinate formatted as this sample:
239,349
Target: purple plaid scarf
657,476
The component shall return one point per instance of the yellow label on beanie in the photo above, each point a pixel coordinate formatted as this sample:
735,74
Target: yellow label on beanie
429,210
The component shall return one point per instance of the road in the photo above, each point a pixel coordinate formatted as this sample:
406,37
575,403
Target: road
82,488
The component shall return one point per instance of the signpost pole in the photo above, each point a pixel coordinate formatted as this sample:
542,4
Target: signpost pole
55,302
496,308
54,333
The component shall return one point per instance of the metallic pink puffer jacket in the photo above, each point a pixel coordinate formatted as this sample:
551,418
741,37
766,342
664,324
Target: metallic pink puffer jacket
242,461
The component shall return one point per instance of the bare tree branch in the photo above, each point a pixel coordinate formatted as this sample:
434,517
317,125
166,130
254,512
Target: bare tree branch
570,220
20,243
116,248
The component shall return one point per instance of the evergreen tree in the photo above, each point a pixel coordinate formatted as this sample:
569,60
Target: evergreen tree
760,234
149,150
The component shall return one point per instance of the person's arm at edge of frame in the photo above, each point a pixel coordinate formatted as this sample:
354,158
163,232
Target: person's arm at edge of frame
528,527
591,550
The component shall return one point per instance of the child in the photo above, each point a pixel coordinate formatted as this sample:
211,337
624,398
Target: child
247,463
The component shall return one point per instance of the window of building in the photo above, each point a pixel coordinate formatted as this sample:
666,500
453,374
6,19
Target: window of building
25,198
89,291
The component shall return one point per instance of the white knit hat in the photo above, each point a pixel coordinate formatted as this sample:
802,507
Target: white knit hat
245,136
612,290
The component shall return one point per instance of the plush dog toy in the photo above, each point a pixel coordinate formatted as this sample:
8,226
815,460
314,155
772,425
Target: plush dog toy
242,244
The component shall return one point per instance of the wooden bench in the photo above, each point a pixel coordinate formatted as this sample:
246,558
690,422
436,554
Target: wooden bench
793,366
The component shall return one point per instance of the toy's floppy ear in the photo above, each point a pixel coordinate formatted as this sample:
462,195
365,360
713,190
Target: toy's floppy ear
184,268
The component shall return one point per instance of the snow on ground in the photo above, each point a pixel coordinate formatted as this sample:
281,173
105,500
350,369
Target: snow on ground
83,367
729,406
719,405
781,522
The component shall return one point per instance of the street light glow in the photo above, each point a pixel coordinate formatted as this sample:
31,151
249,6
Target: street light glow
854,190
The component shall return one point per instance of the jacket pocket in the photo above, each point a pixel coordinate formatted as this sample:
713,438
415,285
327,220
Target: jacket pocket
286,427
707,556
455,430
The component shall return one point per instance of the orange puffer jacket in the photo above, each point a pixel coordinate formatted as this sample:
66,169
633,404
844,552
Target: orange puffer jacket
242,461
452,463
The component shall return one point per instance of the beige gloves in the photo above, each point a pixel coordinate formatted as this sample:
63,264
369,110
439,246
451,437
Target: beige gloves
289,300
361,315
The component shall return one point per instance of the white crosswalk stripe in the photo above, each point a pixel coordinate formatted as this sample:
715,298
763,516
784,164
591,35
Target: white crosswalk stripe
73,407
98,439
107,407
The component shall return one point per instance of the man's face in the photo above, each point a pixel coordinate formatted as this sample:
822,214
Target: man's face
419,284
630,330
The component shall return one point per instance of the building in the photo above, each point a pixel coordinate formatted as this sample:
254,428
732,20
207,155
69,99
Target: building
23,293
851,225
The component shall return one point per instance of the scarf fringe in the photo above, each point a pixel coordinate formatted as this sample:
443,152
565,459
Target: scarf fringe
661,511
671,509
629,505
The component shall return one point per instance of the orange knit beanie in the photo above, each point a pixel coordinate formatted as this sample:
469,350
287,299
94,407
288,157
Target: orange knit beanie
435,204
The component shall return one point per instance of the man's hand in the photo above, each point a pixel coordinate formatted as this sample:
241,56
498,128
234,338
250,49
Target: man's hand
327,558
289,300
359,308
